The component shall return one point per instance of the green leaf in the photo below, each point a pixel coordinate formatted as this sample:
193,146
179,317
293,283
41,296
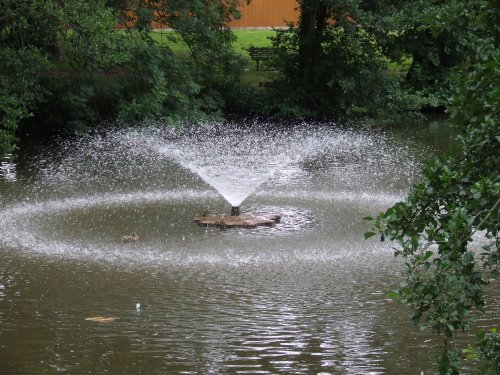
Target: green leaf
393,294
369,234
470,353
427,255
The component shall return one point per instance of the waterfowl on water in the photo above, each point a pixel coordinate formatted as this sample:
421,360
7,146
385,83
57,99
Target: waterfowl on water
130,238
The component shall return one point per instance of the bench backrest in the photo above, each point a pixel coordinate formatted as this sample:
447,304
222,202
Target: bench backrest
261,52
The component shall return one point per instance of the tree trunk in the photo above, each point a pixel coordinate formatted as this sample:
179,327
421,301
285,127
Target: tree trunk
312,24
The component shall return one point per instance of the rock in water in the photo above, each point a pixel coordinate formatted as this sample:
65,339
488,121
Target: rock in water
241,221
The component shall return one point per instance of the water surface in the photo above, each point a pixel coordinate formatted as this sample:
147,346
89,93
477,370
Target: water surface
307,296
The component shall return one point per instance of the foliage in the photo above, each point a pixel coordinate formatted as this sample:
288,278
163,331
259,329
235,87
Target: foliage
488,353
202,24
457,201
102,70
17,20
91,71
202,27
18,90
436,35
149,82
23,56
90,40
342,72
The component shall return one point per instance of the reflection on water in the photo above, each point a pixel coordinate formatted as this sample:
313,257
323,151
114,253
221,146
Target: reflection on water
307,296
307,317
7,168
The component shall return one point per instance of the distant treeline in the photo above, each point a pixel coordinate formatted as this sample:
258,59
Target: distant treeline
65,66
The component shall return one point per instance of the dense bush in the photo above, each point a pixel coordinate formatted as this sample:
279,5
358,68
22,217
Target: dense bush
349,78
20,90
66,65
435,37
331,64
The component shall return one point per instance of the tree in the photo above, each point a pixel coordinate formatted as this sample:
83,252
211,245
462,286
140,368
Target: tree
332,65
313,17
457,201
113,72
91,68
66,64
24,54
202,25
434,36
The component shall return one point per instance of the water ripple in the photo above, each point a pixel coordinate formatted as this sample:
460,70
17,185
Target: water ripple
75,227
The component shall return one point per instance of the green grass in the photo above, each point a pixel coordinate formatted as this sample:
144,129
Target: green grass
244,39
399,70
247,38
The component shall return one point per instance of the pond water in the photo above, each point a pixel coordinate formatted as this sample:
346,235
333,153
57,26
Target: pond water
307,296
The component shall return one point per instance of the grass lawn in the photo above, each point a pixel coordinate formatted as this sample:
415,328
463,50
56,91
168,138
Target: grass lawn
247,38
244,39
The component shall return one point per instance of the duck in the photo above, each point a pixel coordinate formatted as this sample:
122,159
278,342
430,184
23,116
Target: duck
131,238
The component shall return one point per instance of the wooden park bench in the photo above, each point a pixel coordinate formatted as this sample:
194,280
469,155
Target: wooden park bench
261,54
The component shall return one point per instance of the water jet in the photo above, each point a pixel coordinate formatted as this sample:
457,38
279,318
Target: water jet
236,161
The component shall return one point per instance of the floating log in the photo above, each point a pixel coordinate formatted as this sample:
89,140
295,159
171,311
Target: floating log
102,319
241,221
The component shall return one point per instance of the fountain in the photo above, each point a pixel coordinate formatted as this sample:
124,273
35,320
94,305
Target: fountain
124,177
303,295
236,161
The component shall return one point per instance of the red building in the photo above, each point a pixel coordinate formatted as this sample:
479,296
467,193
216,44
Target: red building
262,14
267,13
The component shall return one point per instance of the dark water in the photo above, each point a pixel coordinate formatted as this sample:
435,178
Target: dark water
307,296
